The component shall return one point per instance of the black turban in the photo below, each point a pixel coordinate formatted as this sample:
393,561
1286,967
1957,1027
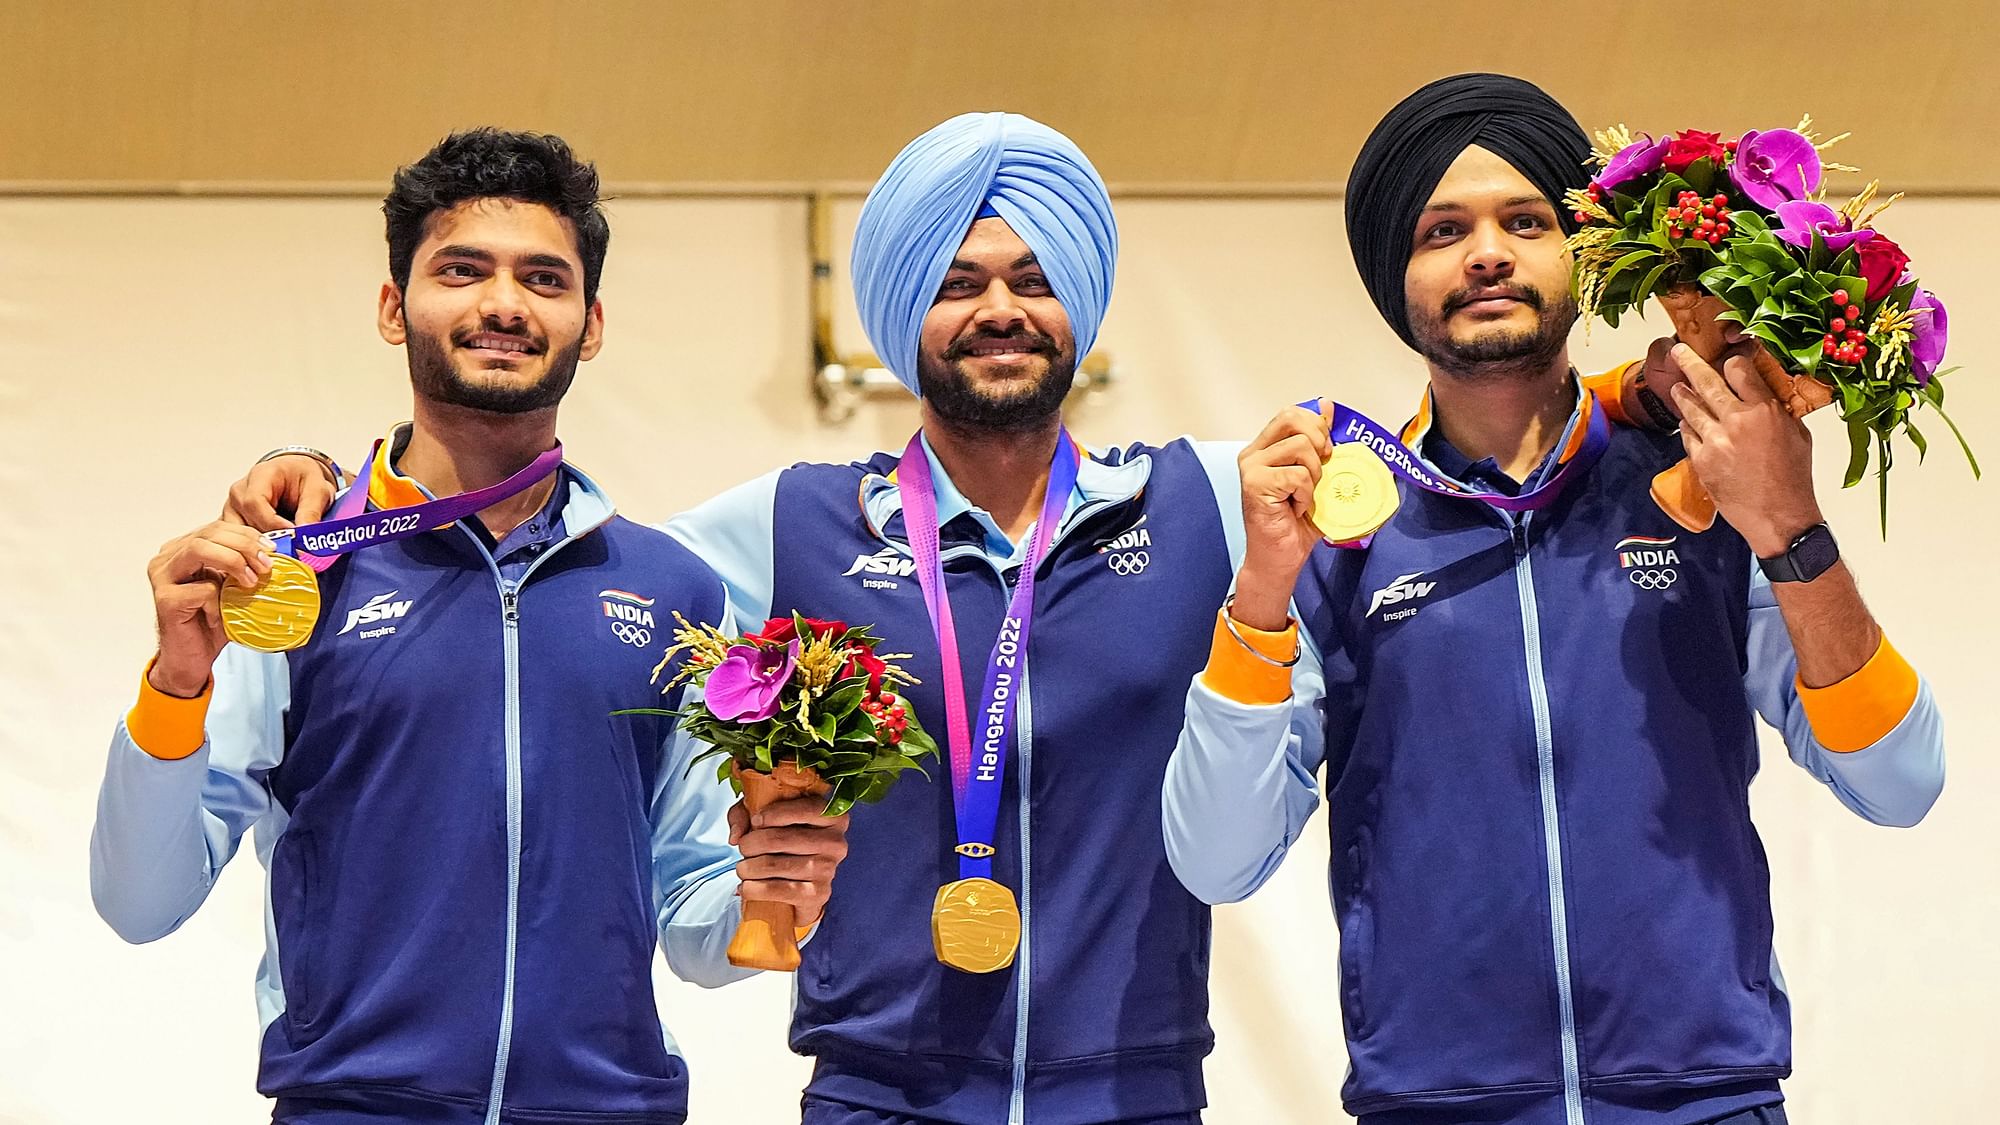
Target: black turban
1410,150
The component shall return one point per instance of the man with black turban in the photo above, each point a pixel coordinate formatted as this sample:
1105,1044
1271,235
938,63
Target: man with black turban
1533,695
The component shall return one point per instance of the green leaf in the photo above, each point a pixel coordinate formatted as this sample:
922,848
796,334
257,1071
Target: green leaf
1858,435
1967,449
1882,479
1625,263
845,697
1916,439
1645,287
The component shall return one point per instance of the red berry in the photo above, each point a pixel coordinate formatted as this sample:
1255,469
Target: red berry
1838,325
1708,209
1855,336
1827,348
1722,229
1854,312
1720,199
1840,296
1582,218
1674,232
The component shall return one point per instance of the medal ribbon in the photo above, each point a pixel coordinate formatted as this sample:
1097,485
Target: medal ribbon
351,527
975,789
1350,425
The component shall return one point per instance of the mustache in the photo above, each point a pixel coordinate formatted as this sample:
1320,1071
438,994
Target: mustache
1032,341
1526,294
536,344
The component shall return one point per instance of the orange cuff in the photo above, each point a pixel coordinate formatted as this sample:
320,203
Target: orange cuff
165,726
1234,672
1855,713
1609,387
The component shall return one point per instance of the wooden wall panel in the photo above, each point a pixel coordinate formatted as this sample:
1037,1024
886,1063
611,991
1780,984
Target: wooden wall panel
1167,95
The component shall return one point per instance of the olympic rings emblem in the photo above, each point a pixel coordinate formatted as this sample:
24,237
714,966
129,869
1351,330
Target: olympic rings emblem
631,634
1129,562
1652,579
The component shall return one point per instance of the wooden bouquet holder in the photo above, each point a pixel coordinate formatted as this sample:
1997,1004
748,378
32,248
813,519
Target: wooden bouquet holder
766,938
1677,490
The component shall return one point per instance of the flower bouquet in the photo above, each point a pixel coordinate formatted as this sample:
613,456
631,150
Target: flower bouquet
801,707
1737,232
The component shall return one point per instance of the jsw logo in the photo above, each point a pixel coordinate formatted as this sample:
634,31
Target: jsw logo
1403,589
632,613
379,608
885,561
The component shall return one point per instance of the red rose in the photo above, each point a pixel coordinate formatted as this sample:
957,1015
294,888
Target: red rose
865,661
1882,263
1692,145
781,629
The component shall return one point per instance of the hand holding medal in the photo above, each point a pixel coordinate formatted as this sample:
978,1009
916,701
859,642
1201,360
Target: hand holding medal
194,577
279,614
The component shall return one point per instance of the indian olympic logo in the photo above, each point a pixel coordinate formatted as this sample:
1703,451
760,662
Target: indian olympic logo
1652,579
1128,562
1649,560
631,615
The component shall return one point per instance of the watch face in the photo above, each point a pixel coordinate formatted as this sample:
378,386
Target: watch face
1814,552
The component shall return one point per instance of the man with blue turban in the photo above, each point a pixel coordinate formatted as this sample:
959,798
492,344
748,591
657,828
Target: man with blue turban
983,265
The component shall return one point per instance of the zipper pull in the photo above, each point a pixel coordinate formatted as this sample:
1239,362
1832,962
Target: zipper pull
1518,529
510,606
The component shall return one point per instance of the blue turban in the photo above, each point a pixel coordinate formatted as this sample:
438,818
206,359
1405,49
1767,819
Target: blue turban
976,164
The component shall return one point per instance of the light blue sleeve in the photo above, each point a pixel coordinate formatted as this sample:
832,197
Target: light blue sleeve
1218,459
165,829
1893,782
1241,785
732,534
694,864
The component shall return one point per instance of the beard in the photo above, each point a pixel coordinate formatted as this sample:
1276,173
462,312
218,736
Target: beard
436,377
1497,353
954,399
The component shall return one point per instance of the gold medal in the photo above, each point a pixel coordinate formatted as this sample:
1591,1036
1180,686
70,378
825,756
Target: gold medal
1356,494
279,614
975,926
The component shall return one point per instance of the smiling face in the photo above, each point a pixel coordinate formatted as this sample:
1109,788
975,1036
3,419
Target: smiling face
996,350
1487,285
494,312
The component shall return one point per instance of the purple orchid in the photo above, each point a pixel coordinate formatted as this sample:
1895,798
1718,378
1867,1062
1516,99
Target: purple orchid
1801,219
1634,160
745,687
1776,167
1927,335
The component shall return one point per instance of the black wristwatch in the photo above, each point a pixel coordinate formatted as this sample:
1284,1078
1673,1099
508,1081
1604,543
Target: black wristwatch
1807,558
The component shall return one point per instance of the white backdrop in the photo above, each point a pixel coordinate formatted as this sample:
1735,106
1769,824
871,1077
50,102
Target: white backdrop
150,348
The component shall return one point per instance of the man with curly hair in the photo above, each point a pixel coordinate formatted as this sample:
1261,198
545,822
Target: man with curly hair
470,861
